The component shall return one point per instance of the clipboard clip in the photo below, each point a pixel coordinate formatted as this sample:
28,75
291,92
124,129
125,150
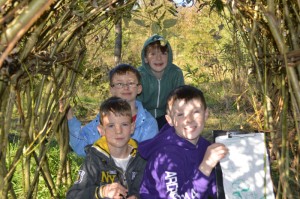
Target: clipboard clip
232,134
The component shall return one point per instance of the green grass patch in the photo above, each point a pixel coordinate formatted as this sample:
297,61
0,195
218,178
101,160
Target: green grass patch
53,161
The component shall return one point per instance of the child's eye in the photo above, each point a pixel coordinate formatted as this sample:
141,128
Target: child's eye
179,114
110,126
198,111
131,84
125,124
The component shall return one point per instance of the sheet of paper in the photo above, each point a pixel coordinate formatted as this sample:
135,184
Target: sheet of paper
246,170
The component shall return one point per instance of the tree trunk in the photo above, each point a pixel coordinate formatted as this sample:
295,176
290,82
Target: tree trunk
118,42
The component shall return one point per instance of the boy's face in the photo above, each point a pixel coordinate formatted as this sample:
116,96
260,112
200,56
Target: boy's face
126,91
188,119
117,130
156,59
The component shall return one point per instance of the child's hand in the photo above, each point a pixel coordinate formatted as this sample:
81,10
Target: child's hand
214,153
61,105
69,109
114,190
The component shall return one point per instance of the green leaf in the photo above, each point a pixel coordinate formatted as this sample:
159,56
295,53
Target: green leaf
155,28
212,31
140,22
168,23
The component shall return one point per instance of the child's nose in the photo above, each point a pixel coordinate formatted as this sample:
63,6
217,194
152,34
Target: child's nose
189,118
126,86
118,129
158,56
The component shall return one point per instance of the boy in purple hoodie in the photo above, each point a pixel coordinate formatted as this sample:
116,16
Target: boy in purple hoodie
180,162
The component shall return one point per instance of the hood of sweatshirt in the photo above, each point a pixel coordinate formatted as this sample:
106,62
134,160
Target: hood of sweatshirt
162,40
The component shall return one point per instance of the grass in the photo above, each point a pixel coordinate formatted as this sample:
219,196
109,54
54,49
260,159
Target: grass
53,161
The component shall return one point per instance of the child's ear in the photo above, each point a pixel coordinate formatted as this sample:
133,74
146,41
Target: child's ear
112,91
101,130
169,120
140,88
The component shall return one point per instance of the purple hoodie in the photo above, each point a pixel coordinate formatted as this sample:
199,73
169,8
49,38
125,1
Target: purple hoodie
172,168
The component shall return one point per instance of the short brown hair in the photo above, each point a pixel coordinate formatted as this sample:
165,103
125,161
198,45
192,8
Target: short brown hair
122,69
116,106
154,45
185,93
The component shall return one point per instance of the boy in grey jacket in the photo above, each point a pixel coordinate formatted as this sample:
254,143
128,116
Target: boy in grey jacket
113,167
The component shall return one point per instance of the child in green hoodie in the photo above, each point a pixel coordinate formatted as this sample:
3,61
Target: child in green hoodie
159,76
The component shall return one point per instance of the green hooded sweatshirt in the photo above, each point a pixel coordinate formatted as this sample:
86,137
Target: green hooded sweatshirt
155,91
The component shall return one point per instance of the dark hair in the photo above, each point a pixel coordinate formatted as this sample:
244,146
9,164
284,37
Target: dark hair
122,69
156,44
114,105
185,93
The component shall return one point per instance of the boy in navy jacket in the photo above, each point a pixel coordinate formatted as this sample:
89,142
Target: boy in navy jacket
113,167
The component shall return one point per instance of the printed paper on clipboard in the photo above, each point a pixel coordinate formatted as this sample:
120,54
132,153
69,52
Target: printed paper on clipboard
246,169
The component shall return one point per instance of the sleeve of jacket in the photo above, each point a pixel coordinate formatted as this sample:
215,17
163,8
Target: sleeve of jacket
87,184
82,136
167,176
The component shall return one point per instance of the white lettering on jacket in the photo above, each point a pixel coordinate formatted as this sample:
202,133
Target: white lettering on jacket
172,184
172,187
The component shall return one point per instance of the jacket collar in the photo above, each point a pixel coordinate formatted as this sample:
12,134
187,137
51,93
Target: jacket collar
101,146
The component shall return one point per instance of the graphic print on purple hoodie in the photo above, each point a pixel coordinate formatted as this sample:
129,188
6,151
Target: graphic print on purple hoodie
172,168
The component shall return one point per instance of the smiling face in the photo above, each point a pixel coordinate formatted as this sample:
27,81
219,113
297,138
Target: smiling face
117,129
126,91
188,118
157,58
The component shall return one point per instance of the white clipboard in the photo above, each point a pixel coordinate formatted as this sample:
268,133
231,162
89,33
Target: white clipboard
246,169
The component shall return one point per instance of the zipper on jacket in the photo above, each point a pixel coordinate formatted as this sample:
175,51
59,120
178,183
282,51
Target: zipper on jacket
157,102
122,177
123,180
127,171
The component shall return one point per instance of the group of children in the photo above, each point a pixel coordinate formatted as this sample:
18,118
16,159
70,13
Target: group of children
126,157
